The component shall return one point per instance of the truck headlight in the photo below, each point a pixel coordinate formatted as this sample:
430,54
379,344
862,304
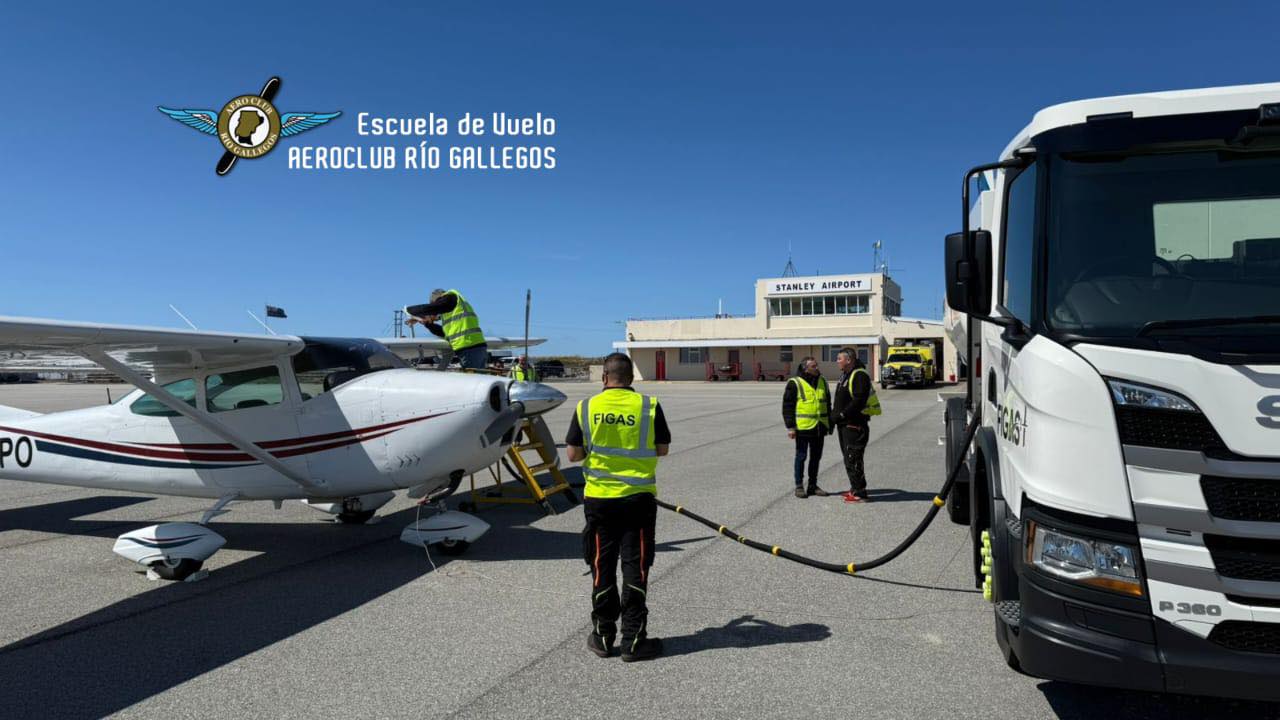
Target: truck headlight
1097,563
1127,394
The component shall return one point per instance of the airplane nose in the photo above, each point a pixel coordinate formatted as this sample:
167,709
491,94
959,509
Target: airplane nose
536,398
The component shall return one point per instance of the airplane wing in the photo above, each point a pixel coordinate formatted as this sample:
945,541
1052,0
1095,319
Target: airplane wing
408,348
34,344
134,352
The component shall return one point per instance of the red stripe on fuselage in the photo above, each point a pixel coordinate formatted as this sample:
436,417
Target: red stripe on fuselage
288,442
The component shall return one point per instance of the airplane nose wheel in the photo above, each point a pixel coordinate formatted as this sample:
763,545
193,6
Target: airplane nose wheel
180,570
454,547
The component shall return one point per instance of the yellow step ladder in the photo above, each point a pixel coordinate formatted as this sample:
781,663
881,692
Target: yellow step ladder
532,435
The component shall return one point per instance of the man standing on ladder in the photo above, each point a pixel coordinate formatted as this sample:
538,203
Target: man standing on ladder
451,317
854,403
522,371
619,435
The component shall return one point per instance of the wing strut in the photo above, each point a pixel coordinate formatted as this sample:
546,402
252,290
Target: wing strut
201,418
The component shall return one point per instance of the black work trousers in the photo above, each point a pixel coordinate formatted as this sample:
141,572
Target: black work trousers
619,529
853,445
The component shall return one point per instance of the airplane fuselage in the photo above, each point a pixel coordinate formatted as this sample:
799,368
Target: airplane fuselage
385,430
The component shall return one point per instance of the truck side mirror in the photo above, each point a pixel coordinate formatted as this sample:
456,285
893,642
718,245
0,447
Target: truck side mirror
969,272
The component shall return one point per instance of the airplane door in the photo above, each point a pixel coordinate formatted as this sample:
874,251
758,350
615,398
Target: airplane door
254,403
660,359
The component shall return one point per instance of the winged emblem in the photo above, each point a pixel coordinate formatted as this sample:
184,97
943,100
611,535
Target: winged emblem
206,121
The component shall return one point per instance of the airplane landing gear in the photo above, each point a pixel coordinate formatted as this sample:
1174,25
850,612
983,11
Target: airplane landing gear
171,551
184,569
454,547
355,517
353,510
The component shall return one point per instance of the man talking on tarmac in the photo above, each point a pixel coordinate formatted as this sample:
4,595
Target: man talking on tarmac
806,411
854,403
619,435
451,317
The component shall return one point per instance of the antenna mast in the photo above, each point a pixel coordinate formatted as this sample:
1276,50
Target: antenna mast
790,269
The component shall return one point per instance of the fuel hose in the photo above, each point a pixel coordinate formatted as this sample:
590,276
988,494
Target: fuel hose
849,568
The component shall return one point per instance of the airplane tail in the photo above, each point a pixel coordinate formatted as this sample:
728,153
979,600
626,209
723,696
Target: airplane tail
13,413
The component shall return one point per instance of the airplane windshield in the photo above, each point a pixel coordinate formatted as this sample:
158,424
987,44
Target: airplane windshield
326,363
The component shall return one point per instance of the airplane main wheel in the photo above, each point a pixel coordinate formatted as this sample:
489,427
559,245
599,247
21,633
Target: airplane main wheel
355,518
179,571
454,547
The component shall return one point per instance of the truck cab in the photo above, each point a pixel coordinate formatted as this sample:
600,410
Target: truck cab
1120,272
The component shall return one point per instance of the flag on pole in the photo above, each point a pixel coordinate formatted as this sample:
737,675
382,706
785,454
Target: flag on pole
275,312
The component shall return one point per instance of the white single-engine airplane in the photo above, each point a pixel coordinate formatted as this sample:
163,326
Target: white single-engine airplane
341,423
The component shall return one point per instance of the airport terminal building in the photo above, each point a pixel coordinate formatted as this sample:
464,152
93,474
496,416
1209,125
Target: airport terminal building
794,317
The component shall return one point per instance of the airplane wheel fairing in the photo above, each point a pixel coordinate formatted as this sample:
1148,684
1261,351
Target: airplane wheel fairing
356,518
179,571
454,547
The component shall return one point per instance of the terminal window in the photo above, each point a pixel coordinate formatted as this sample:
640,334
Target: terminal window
820,305
692,356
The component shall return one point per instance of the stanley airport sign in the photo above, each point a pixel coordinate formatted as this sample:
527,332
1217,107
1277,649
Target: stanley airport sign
834,284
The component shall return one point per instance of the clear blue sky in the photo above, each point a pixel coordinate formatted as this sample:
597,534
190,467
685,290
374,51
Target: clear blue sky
695,140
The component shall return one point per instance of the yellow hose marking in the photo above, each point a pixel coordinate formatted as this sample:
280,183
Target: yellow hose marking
938,501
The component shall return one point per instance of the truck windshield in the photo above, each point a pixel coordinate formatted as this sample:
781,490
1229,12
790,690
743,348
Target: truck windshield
1168,238
904,358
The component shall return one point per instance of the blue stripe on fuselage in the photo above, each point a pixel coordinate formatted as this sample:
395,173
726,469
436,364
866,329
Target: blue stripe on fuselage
86,454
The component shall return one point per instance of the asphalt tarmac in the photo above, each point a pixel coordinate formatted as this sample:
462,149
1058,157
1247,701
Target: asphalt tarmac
305,618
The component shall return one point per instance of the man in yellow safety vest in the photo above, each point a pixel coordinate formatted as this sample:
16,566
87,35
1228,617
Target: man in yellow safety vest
522,371
619,435
855,404
451,317
806,411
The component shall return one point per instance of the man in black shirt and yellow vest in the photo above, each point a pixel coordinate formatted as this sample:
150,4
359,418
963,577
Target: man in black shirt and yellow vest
451,317
806,411
619,435
855,404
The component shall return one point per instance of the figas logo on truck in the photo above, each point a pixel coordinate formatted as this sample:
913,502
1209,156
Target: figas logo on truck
1012,420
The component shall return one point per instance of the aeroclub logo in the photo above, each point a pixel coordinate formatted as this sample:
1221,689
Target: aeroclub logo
249,126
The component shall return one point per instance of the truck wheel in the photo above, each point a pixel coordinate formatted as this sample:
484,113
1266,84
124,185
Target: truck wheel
884,386
955,420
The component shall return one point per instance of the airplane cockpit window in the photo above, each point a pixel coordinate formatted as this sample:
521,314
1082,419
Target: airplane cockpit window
184,390
324,364
242,389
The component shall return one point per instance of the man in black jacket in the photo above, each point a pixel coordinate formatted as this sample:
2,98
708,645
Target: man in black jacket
854,403
806,411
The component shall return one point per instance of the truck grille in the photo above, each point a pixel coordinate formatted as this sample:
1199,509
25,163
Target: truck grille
1238,499
1245,558
1247,636
1173,429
